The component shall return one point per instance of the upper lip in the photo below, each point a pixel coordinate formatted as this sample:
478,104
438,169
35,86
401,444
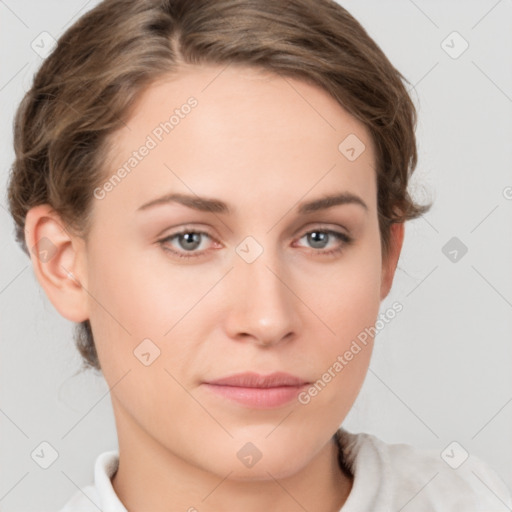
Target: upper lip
256,380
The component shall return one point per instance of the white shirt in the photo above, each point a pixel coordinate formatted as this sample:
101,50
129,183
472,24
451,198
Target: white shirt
387,478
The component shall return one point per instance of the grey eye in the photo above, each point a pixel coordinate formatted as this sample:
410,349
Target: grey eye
189,241
318,239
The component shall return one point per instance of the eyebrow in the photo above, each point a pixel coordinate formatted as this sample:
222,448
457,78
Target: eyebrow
206,204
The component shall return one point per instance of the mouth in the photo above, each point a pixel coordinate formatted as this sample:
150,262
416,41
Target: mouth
258,391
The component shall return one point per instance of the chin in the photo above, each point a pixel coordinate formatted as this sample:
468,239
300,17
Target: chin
274,469
260,461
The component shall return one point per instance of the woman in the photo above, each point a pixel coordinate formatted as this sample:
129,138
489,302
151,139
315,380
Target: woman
215,192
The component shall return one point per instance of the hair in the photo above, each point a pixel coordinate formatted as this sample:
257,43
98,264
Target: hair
86,88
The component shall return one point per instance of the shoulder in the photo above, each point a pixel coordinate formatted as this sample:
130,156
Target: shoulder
410,478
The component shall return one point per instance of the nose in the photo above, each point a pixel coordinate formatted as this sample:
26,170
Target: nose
262,305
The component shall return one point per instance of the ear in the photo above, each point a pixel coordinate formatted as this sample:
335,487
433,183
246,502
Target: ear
57,258
390,262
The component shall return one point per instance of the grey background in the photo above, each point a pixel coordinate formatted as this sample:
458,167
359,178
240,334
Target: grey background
441,369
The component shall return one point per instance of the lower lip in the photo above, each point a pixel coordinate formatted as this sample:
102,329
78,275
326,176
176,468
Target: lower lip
258,398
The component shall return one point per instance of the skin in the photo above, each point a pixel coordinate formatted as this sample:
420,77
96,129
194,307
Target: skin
263,144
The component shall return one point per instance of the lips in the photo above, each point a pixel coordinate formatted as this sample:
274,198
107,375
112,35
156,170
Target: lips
258,391
255,380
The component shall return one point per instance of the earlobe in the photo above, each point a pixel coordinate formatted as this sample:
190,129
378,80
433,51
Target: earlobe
396,238
56,256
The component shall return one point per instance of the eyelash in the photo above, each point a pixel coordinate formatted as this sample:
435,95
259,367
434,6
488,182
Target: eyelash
347,240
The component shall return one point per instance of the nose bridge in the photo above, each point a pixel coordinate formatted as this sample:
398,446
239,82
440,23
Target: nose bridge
263,306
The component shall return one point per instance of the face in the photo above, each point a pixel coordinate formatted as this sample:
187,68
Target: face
183,294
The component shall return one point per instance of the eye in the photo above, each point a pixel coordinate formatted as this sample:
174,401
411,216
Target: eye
319,238
188,241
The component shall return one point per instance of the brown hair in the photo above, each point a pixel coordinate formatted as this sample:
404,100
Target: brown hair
86,87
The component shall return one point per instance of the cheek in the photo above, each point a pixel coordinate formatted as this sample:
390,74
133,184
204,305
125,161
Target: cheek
348,303
137,296
341,358
351,313
346,294
135,292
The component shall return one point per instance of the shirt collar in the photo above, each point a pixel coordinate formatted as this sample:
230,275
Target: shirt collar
104,469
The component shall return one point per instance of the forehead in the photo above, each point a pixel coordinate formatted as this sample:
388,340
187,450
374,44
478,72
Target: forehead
213,129
234,98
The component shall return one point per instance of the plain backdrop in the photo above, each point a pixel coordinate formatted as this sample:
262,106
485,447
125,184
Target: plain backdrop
441,370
